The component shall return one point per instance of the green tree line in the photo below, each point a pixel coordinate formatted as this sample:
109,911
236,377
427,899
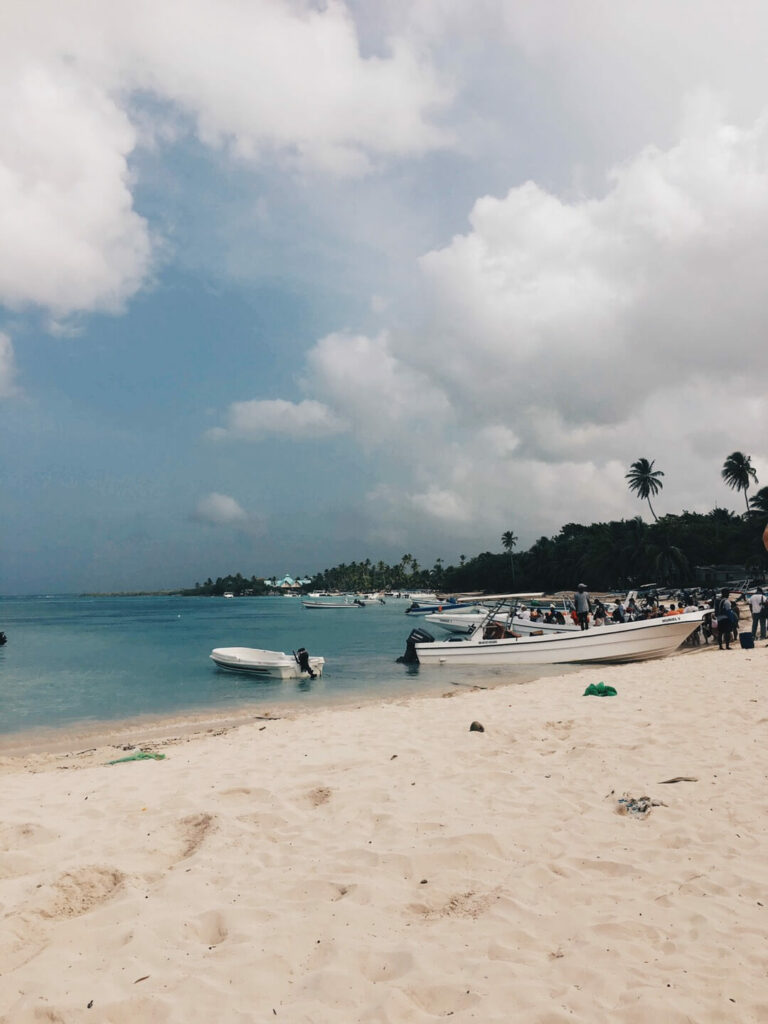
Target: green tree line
619,554
237,584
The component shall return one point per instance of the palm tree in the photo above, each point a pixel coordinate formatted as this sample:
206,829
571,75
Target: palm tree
509,540
760,501
644,481
670,563
738,473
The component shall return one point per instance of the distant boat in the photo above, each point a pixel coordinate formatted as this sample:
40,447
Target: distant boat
435,606
333,604
228,593
273,664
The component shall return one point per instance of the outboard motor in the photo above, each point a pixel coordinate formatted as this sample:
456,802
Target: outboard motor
416,636
3,639
302,656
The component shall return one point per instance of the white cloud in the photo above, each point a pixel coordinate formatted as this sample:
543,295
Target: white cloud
7,367
220,510
266,80
381,395
441,503
286,75
259,418
589,307
70,238
559,341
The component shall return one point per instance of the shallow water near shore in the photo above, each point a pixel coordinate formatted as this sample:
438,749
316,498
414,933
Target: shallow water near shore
79,660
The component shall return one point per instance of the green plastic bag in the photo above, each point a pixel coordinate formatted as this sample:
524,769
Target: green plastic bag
599,690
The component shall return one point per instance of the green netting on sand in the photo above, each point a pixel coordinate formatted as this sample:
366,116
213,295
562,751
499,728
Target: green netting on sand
142,755
599,690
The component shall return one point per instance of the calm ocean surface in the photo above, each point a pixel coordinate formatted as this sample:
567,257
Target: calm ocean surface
85,660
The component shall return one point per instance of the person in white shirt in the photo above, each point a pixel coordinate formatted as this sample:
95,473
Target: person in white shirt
757,604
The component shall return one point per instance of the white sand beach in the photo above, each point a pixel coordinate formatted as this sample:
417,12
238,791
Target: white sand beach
383,863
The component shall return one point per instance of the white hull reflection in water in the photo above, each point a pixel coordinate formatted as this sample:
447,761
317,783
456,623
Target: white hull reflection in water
623,642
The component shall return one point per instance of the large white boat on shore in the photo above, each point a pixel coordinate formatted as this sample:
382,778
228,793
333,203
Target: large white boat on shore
492,642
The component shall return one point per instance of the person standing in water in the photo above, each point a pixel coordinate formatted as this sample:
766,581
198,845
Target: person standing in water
582,604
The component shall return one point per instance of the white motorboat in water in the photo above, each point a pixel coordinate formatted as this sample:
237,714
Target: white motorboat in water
272,664
457,620
463,618
491,643
333,604
466,622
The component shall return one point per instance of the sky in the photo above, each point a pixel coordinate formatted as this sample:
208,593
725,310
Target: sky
285,284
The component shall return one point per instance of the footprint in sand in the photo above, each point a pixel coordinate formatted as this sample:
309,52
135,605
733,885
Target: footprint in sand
16,837
76,892
318,796
442,1000
385,966
247,794
193,829
561,727
22,937
210,928
465,904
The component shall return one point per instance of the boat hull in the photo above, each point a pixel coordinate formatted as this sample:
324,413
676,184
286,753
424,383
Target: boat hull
631,641
264,664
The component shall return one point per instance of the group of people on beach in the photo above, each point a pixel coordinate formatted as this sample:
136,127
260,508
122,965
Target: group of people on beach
721,619
584,608
725,617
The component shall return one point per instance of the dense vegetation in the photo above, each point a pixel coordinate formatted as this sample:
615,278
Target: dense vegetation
604,555
236,584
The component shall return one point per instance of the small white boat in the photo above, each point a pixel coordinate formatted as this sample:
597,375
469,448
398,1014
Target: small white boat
273,664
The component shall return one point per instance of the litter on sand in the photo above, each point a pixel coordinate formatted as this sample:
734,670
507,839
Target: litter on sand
599,690
142,755
639,806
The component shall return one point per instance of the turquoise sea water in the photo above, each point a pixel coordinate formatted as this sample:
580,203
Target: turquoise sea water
75,660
